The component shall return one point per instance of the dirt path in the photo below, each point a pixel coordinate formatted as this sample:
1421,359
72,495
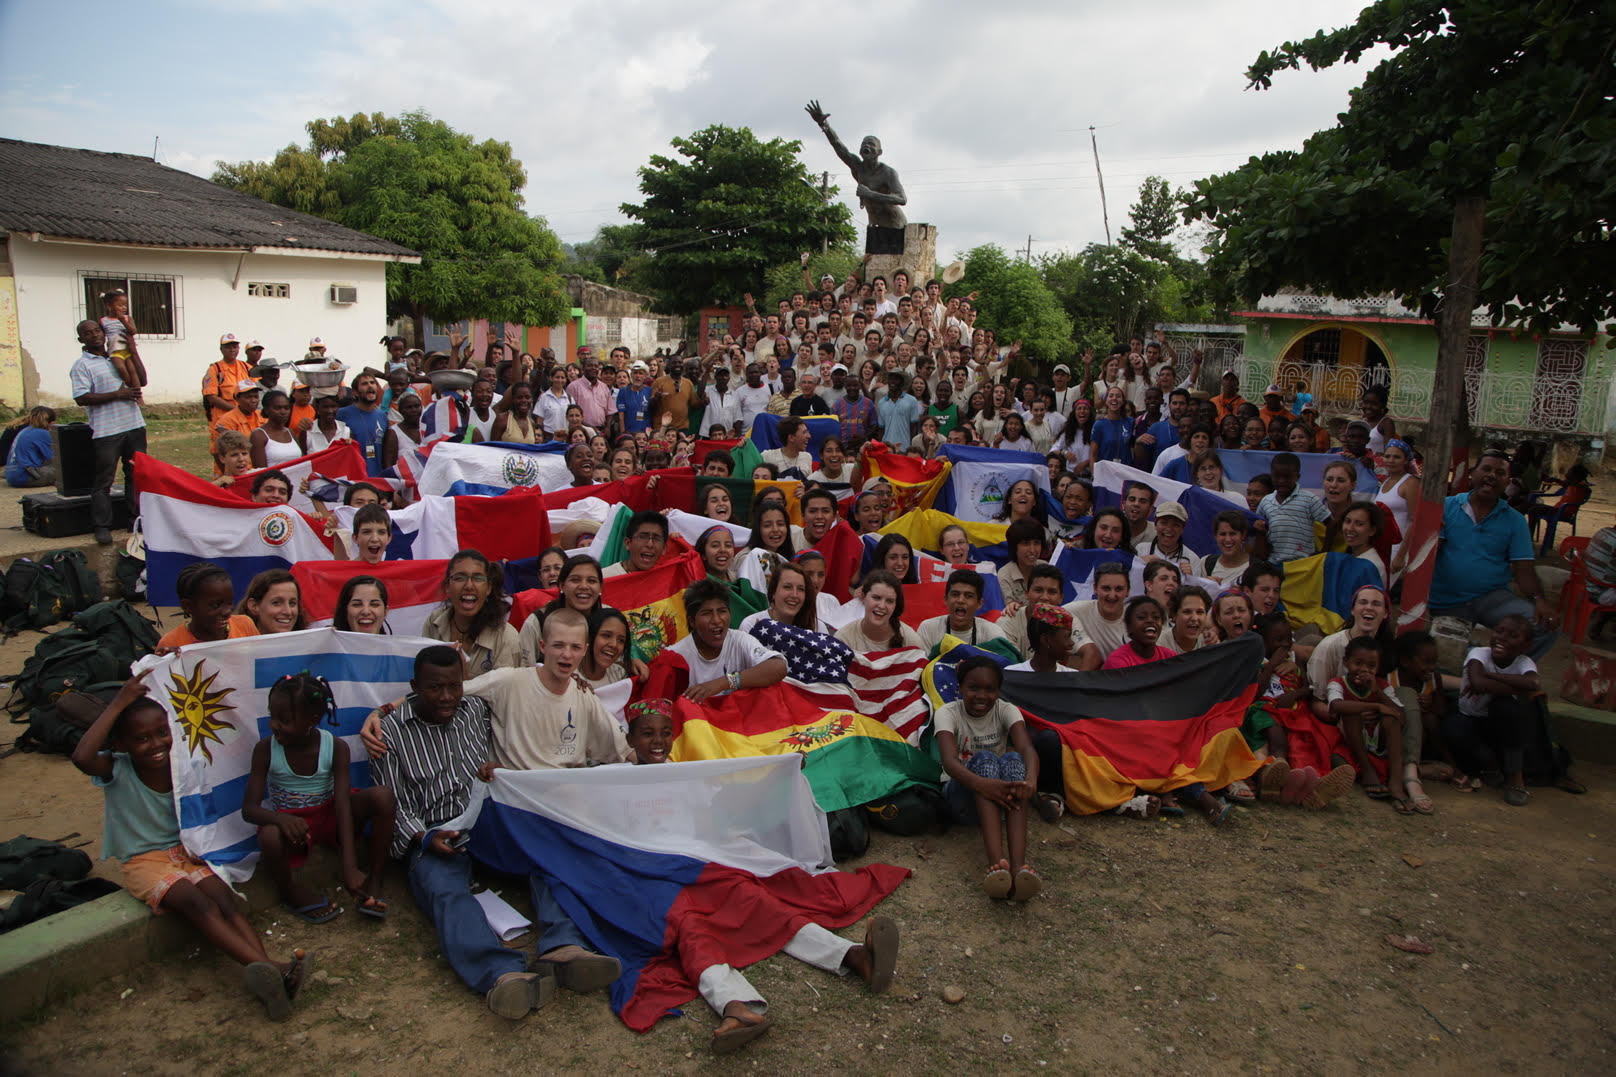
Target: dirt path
1156,947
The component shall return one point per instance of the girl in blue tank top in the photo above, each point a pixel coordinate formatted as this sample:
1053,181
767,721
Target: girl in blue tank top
298,796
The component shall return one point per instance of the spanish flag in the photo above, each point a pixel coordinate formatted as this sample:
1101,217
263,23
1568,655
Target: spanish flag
849,759
1147,729
915,482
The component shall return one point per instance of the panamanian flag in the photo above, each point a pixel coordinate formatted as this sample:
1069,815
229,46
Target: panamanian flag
675,868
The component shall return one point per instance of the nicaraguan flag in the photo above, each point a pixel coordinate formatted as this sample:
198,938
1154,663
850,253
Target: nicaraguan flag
492,467
981,479
675,868
188,519
217,699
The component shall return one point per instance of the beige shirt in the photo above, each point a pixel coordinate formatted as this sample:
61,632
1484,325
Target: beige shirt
497,647
1106,635
853,635
535,729
932,631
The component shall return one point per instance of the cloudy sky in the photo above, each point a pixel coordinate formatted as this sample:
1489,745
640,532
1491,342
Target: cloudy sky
983,109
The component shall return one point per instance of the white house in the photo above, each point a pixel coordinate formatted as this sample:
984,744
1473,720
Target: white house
197,259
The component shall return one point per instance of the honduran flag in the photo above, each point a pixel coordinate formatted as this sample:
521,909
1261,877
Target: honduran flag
718,862
414,590
981,477
186,519
493,467
1147,729
216,696
1202,506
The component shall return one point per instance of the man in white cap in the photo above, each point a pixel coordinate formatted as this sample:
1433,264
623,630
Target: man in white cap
1274,407
1065,392
245,416
316,349
634,400
219,382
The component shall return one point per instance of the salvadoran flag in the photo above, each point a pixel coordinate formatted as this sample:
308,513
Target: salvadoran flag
414,590
981,478
217,699
188,519
1202,506
493,467
673,869
339,460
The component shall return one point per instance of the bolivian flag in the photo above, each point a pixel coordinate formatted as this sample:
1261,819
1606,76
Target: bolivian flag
652,601
848,759
1148,729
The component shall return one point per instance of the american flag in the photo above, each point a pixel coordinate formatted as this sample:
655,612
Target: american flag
884,685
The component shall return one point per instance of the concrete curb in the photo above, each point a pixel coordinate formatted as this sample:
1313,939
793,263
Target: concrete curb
51,959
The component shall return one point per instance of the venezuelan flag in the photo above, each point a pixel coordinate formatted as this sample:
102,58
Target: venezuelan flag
1148,729
848,758
1318,590
673,870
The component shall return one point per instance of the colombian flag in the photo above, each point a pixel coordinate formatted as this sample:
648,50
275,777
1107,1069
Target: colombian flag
1147,729
673,870
1318,590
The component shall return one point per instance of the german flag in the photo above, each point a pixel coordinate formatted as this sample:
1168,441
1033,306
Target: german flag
1148,729
848,758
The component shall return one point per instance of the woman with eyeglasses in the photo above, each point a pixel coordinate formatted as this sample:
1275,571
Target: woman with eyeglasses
474,615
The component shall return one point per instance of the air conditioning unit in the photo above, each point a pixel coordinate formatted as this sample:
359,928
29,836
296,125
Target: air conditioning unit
345,294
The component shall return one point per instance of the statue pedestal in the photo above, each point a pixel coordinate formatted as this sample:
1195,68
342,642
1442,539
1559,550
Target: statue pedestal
919,257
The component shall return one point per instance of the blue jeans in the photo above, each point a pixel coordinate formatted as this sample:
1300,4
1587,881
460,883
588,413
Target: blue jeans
1493,607
442,888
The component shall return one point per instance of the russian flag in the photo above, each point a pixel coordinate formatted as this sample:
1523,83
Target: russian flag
217,699
675,868
492,467
188,519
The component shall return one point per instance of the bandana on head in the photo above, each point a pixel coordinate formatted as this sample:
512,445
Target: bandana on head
1054,616
645,708
1399,443
1375,587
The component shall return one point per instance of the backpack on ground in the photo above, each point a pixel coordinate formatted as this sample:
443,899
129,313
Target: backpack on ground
24,859
100,646
44,897
38,593
909,812
57,727
849,837
120,628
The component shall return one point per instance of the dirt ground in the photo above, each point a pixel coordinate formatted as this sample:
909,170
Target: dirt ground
1162,946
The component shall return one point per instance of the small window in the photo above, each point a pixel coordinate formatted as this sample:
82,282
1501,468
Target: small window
153,301
263,289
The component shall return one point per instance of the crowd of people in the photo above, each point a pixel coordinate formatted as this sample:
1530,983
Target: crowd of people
892,362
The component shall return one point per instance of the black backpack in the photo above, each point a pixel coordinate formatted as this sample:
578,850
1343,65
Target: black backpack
102,643
58,726
849,837
24,859
39,593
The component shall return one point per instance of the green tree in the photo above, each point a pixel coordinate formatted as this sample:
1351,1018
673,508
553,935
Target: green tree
1013,299
1473,166
781,280
418,182
1153,221
614,256
723,211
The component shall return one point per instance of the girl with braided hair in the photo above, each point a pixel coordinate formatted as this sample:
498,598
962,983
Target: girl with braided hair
302,770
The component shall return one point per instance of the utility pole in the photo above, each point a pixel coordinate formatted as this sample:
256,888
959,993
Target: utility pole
1104,215
154,147
1026,252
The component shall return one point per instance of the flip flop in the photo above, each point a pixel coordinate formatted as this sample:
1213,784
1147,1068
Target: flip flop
1464,783
1378,791
296,976
1240,793
747,1029
375,908
1171,808
1422,803
265,983
311,913
1050,807
1403,807
1437,772
1028,884
1223,814
881,941
997,882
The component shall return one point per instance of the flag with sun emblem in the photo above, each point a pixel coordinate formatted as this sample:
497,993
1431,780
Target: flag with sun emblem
217,698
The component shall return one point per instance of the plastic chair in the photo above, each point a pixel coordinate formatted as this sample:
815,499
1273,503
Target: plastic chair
1577,606
1552,521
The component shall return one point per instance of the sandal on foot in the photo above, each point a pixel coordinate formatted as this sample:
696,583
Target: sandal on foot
265,983
1050,807
1516,796
1028,884
1171,808
1437,772
375,908
1417,796
1377,791
1143,806
317,912
881,943
1272,778
733,1033
1402,806
1330,787
1222,814
1464,783
997,883
1240,793
298,973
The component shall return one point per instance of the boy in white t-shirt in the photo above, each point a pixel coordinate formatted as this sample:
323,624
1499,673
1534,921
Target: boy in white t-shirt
963,595
722,660
1495,701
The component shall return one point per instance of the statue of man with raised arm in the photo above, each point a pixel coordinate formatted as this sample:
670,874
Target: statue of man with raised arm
879,191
